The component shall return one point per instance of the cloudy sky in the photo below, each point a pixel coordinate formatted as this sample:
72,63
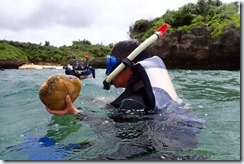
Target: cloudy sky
62,21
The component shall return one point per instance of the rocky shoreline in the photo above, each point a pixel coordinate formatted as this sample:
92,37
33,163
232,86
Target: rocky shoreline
194,49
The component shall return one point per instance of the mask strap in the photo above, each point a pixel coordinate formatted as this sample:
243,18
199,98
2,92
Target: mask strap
127,62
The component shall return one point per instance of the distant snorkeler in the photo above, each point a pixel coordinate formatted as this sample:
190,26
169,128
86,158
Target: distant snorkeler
81,69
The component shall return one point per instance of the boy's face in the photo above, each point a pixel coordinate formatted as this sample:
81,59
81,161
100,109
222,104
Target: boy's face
120,81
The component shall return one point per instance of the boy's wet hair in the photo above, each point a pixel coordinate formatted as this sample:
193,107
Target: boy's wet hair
124,48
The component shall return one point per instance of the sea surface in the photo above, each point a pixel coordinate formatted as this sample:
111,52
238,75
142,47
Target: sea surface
205,126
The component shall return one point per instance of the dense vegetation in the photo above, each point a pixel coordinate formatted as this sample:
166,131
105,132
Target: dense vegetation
212,13
36,53
10,51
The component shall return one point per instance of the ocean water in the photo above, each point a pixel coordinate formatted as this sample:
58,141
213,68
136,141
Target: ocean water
206,126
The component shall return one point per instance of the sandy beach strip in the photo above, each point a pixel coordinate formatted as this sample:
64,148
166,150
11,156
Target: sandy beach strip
34,66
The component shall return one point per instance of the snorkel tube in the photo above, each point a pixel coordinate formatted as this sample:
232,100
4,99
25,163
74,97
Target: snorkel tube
158,34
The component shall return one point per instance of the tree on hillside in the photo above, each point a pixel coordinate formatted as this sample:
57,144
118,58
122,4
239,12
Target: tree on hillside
47,43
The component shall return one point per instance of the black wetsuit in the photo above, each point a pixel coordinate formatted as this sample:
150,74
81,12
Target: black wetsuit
83,75
81,70
139,93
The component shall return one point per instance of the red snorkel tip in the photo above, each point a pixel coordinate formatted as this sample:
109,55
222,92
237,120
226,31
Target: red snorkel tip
161,30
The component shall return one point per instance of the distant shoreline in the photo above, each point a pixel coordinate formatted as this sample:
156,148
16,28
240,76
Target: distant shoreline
35,66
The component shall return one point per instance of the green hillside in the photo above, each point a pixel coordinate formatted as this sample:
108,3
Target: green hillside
35,53
213,13
8,51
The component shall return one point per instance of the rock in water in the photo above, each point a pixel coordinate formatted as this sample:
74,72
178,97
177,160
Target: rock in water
53,91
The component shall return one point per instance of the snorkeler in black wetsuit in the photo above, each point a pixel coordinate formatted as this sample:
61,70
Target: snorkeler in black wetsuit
146,79
81,69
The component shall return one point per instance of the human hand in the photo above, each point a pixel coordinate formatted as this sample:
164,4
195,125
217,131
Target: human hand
69,109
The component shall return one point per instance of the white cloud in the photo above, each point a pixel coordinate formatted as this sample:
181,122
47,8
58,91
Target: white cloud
62,21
